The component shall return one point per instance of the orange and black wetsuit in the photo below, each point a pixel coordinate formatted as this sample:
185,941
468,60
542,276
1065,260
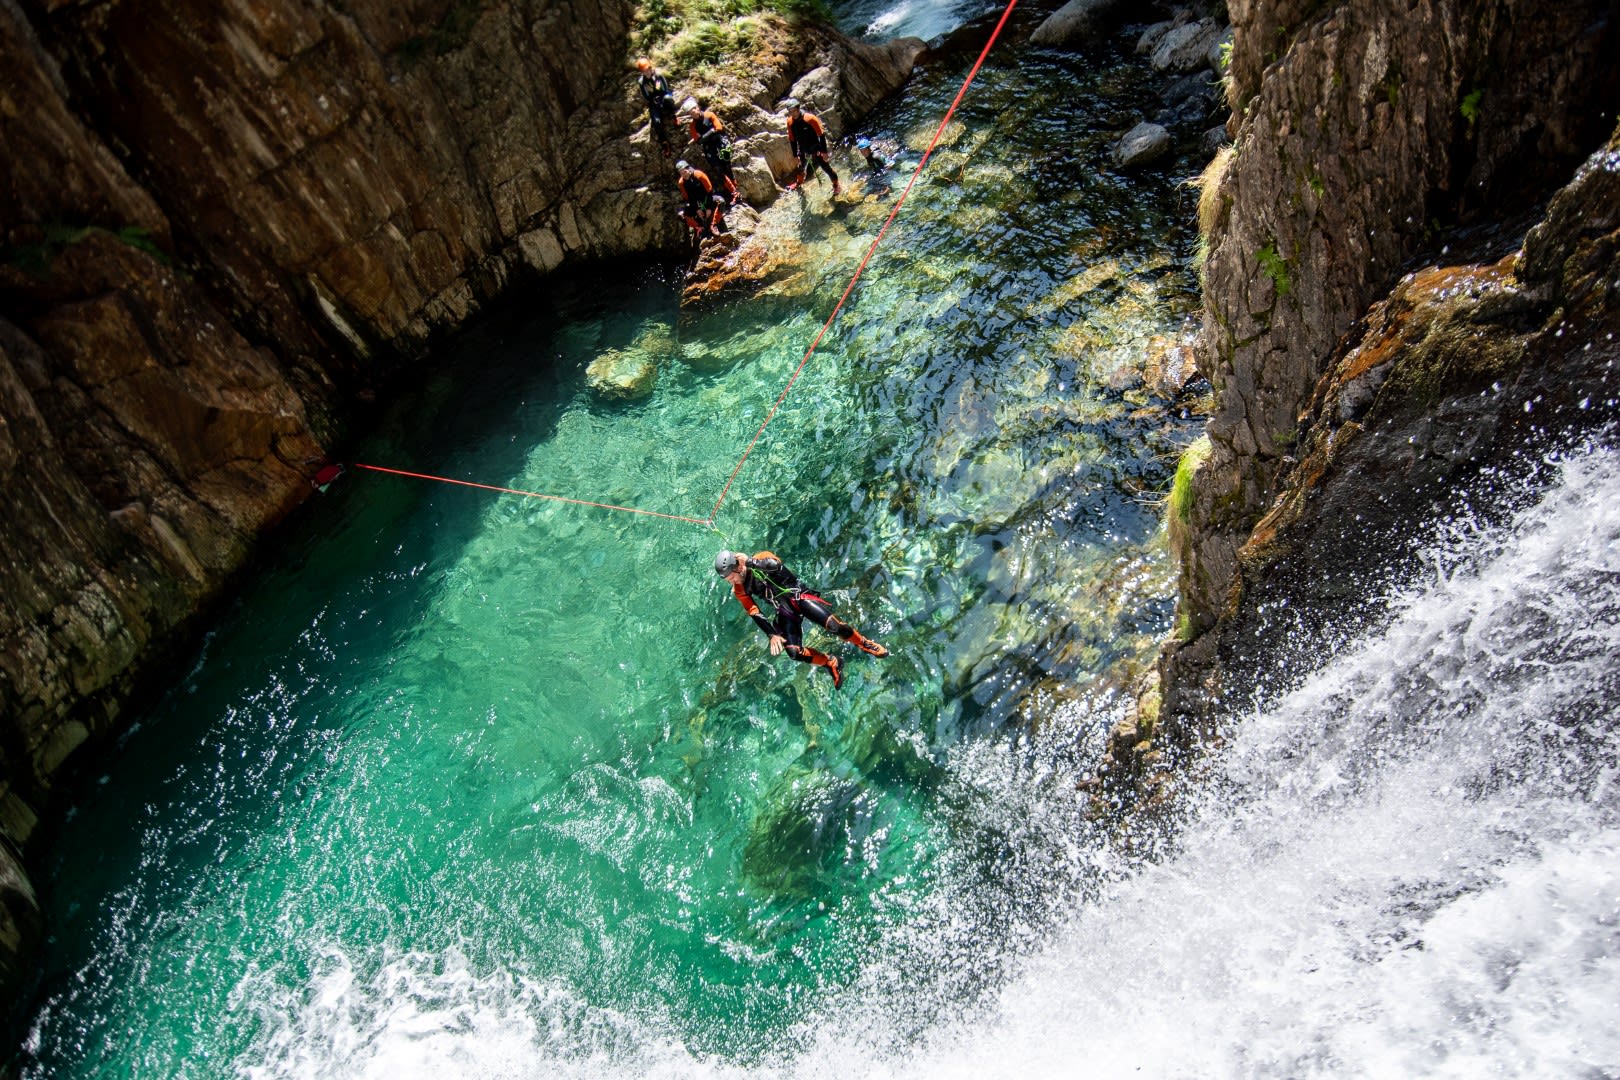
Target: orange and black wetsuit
700,210
710,134
809,141
766,579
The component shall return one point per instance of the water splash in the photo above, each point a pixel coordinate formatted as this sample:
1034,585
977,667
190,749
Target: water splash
1409,866
926,19
1406,867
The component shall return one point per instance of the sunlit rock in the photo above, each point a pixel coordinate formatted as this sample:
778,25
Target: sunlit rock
1170,364
1187,47
1076,23
622,374
630,373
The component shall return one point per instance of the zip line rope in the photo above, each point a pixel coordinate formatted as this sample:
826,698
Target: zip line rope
708,522
536,494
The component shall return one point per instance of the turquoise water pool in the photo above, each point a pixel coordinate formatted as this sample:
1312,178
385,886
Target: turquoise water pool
457,755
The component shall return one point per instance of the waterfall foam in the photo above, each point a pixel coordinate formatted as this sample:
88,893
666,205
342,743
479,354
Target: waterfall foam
1407,866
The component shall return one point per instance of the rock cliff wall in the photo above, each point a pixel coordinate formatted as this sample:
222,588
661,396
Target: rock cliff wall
221,225
1460,382
1372,139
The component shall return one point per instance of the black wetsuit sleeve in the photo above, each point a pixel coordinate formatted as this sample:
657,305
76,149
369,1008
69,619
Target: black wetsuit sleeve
747,601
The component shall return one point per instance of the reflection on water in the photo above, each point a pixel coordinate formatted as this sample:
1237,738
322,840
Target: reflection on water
469,766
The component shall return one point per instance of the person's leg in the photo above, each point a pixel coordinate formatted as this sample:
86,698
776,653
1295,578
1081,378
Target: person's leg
794,631
826,166
659,130
722,171
817,611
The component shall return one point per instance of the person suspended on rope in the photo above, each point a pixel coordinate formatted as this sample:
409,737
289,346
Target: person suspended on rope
660,99
701,208
809,141
764,578
710,134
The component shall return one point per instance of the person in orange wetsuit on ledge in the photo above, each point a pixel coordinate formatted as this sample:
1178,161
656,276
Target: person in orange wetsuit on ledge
764,578
701,209
809,142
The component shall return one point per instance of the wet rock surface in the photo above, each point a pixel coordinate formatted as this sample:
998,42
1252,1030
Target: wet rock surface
1078,22
1361,140
1465,377
1142,146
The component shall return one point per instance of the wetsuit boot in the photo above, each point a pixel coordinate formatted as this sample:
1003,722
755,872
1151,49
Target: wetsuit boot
834,668
867,645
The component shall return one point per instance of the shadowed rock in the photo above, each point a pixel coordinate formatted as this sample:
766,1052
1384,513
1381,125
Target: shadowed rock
1142,146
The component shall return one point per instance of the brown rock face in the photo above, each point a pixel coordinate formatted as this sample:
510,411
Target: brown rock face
372,162
1363,131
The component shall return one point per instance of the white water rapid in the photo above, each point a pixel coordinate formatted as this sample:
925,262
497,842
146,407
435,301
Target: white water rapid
1410,866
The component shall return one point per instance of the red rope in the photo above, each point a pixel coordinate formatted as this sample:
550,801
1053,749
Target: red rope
534,494
859,270
708,522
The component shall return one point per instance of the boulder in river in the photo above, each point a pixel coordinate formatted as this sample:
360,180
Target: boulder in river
1142,145
1187,47
1075,23
801,822
622,374
629,374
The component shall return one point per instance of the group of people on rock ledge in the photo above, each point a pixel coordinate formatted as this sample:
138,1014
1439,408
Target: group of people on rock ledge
706,194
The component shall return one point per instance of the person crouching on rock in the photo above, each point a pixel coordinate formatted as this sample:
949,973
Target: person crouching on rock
809,141
710,134
701,208
764,578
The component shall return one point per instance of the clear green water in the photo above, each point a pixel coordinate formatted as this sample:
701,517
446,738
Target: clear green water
521,776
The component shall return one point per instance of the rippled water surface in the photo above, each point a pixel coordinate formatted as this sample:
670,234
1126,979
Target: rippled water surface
463,769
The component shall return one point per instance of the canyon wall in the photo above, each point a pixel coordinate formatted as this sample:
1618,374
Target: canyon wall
1373,341
225,224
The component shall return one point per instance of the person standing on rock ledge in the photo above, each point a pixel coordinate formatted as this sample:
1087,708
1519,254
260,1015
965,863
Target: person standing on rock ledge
703,209
660,99
809,141
764,577
710,135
